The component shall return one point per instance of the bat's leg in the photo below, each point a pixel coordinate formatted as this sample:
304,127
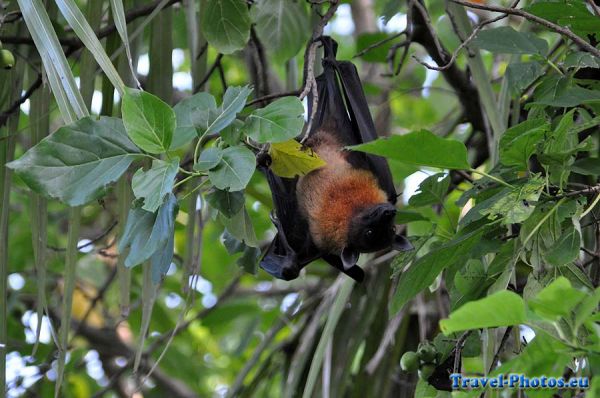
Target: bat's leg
354,272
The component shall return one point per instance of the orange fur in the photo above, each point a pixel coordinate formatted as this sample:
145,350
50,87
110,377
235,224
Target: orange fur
331,195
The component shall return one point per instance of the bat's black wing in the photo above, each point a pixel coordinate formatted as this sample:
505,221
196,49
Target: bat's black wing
343,109
292,248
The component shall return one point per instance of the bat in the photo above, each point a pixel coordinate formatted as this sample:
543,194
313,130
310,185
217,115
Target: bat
347,206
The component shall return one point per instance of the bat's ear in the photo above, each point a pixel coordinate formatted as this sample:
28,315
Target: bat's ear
349,257
401,244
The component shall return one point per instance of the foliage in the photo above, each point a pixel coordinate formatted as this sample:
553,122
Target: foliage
497,147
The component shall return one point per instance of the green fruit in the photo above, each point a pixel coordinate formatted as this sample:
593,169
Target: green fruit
426,371
409,361
7,59
427,353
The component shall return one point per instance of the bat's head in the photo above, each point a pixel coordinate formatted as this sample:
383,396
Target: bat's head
372,229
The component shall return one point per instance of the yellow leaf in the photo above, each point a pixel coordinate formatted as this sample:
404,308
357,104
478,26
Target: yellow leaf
290,159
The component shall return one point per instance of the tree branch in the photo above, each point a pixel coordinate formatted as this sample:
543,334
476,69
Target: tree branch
422,32
534,18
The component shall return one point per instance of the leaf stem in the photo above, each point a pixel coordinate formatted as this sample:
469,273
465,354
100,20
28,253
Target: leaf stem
542,221
491,177
186,179
594,203
195,189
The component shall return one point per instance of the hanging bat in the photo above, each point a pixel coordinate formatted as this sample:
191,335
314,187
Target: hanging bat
347,206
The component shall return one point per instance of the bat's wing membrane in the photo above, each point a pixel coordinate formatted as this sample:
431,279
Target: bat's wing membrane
292,248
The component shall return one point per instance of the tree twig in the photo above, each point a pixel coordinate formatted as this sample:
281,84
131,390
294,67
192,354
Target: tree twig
378,44
500,348
209,73
462,45
534,18
460,343
269,97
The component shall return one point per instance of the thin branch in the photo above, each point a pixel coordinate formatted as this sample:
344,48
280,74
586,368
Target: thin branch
500,348
378,44
99,296
534,18
462,45
590,190
460,343
209,73
17,104
424,34
101,236
269,97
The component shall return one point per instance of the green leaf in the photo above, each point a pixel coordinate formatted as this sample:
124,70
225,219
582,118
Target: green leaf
283,24
234,101
580,59
78,161
561,92
423,272
228,203
240,227
587,166
154,184
568,13
249,259
226,25
232,244
234,170
279,121
506,40
516,205
419,148
502,308
149,235
232,134
469,284
148,120
556,300
521,75
431,191
406,216
566,249
165,222
192,113
587,307
519,142
376,54
290,159
209,159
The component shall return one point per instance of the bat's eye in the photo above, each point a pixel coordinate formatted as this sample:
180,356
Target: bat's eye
369,233
393,229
